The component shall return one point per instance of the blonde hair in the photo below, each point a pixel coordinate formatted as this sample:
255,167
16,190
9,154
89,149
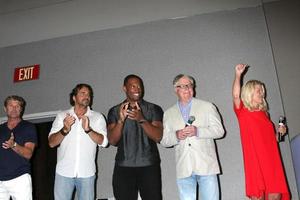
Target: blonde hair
247,95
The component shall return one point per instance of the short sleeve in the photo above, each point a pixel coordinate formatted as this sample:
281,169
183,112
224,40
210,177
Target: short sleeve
158,113
238,110
57,123
100,126
112,116
30,133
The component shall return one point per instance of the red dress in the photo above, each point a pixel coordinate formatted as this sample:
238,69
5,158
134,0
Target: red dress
262,163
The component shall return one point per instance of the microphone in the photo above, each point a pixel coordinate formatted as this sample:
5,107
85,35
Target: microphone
190,121
281,122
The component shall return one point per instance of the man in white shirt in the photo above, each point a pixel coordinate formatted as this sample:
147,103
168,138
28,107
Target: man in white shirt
77,132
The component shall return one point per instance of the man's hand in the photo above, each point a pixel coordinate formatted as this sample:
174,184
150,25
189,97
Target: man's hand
135,113
85,123
68,122
191,130
9,144
188,131
123,111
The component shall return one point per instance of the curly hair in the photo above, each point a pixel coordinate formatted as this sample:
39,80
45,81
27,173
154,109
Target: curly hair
77,88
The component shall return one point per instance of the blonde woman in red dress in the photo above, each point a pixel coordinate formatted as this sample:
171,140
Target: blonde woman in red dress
264,174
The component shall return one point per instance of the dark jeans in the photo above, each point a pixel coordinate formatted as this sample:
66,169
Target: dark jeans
127,181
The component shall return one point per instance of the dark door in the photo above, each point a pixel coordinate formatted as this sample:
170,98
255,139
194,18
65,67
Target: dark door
43,165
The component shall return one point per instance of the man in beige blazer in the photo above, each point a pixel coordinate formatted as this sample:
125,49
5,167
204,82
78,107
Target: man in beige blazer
191,125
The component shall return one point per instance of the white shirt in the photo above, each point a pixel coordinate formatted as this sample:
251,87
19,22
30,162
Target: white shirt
77,152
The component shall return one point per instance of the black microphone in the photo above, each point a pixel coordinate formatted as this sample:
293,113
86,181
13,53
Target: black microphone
281,122
190,121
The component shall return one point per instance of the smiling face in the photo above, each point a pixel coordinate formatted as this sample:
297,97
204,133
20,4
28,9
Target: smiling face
253,95
133,89
184,89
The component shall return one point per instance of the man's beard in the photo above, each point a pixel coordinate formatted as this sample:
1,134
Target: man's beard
85,103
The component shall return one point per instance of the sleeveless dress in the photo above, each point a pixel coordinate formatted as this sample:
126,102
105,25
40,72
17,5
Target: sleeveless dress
262,162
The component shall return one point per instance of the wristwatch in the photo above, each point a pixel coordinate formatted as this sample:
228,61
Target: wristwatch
63,132
88,131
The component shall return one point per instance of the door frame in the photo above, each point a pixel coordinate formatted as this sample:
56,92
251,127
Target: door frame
36,117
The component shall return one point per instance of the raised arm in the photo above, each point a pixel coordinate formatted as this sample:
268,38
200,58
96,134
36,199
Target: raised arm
114,130
56,138
236,87
25,150
96,133
153,130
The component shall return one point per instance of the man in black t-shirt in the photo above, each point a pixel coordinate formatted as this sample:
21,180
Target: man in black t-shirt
135,126
18,139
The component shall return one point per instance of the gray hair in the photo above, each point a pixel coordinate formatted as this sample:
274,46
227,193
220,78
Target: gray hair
179,76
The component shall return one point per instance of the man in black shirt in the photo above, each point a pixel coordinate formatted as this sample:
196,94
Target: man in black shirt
135,126
18,138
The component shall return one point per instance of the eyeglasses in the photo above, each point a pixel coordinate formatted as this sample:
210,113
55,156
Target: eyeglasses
188,86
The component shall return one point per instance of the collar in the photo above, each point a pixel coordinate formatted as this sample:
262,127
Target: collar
180,105
72,112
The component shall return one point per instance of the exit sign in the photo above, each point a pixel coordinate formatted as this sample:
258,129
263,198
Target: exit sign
27,73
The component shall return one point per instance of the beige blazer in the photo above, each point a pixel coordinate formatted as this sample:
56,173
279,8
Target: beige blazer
198,153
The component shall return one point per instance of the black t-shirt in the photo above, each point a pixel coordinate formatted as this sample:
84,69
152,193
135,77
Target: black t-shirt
135,148
12,164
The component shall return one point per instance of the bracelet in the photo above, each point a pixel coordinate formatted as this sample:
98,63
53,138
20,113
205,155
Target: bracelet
15,144
88,131
63,132
142,121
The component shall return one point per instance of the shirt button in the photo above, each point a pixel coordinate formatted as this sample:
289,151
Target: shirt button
190,145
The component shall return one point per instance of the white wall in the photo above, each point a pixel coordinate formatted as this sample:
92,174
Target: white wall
26,21
283,19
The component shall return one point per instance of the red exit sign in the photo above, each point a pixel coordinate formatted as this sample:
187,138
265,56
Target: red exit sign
27,73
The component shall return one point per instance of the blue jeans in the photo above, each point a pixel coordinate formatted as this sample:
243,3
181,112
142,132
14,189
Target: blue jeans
208,187
64,187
